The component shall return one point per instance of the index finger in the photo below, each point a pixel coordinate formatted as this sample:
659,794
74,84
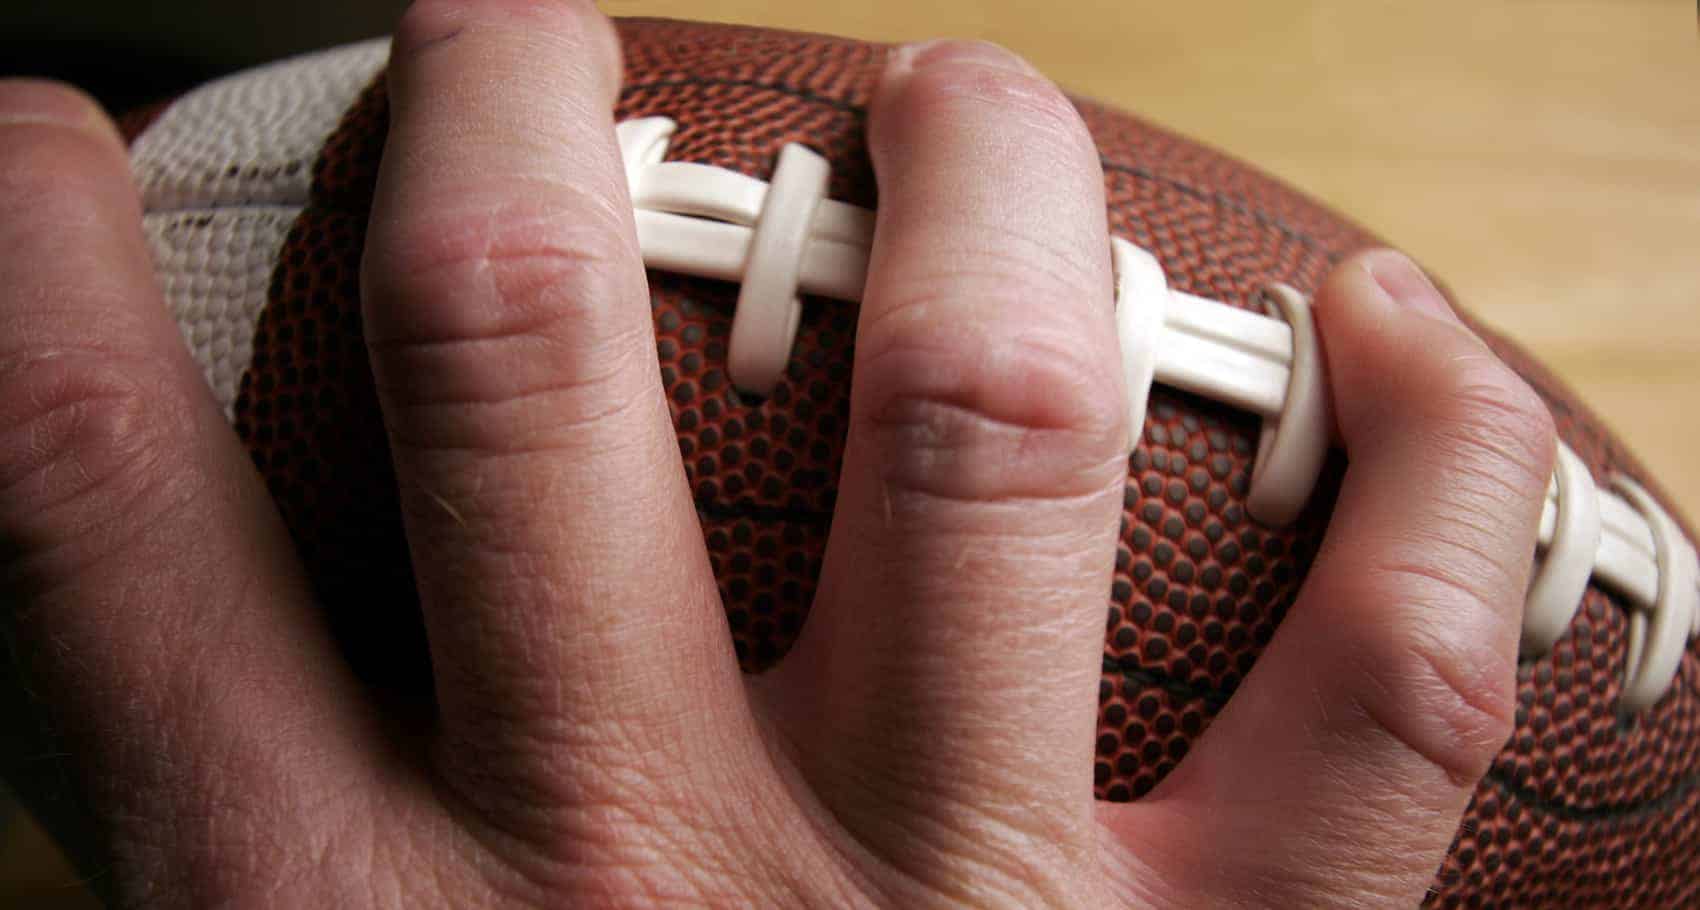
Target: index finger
562,572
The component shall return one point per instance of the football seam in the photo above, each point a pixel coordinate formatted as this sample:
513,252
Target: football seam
1149,680
757,512
1606,813
1220,200
802,94
860,112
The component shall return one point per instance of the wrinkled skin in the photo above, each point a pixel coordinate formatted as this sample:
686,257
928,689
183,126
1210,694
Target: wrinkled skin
229,757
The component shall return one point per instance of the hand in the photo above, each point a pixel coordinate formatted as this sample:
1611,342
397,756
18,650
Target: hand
929,740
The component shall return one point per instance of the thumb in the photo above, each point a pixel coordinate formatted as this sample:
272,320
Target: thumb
1338,773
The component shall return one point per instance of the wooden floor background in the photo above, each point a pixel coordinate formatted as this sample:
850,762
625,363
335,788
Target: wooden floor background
1543,156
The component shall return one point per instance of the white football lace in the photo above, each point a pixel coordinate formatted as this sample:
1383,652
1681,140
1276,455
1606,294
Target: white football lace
784,238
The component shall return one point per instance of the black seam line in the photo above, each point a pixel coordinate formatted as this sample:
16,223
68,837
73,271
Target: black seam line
1157,679
1608,812
1181,186
1221,200
1524,796
757,512
1147,678
802,94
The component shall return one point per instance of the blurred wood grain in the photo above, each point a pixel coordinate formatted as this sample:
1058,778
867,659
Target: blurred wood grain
1542,156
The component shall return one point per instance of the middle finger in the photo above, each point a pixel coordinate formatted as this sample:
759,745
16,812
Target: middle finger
952,656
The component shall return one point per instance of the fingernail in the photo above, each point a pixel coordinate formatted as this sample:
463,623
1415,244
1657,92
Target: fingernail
1407,285
945,50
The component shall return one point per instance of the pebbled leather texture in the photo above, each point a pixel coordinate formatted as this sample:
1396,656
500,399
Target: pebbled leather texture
258,189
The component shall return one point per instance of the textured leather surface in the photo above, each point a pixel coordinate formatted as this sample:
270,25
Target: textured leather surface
258,190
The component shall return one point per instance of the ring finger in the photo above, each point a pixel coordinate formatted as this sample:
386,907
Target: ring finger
951,660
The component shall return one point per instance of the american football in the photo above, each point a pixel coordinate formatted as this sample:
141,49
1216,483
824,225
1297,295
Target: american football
745,154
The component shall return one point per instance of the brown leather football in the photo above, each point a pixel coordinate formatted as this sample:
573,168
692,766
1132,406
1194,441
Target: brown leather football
257,190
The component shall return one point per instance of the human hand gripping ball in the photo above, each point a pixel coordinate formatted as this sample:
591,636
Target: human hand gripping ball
908,752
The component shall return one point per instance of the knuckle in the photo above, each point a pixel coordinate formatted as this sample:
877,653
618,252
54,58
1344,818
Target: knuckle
977,416
472,268
1493,425
478,312
469,270
1483,385
1485,444
1446,697
86,439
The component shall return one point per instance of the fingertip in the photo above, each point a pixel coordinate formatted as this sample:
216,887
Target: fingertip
907,58
1356,321
1391,337
427,25
606,51
1407,285
1351,289
930,84
70,213
26,101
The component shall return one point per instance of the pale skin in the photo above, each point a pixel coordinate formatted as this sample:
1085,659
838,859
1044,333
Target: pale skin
908,752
